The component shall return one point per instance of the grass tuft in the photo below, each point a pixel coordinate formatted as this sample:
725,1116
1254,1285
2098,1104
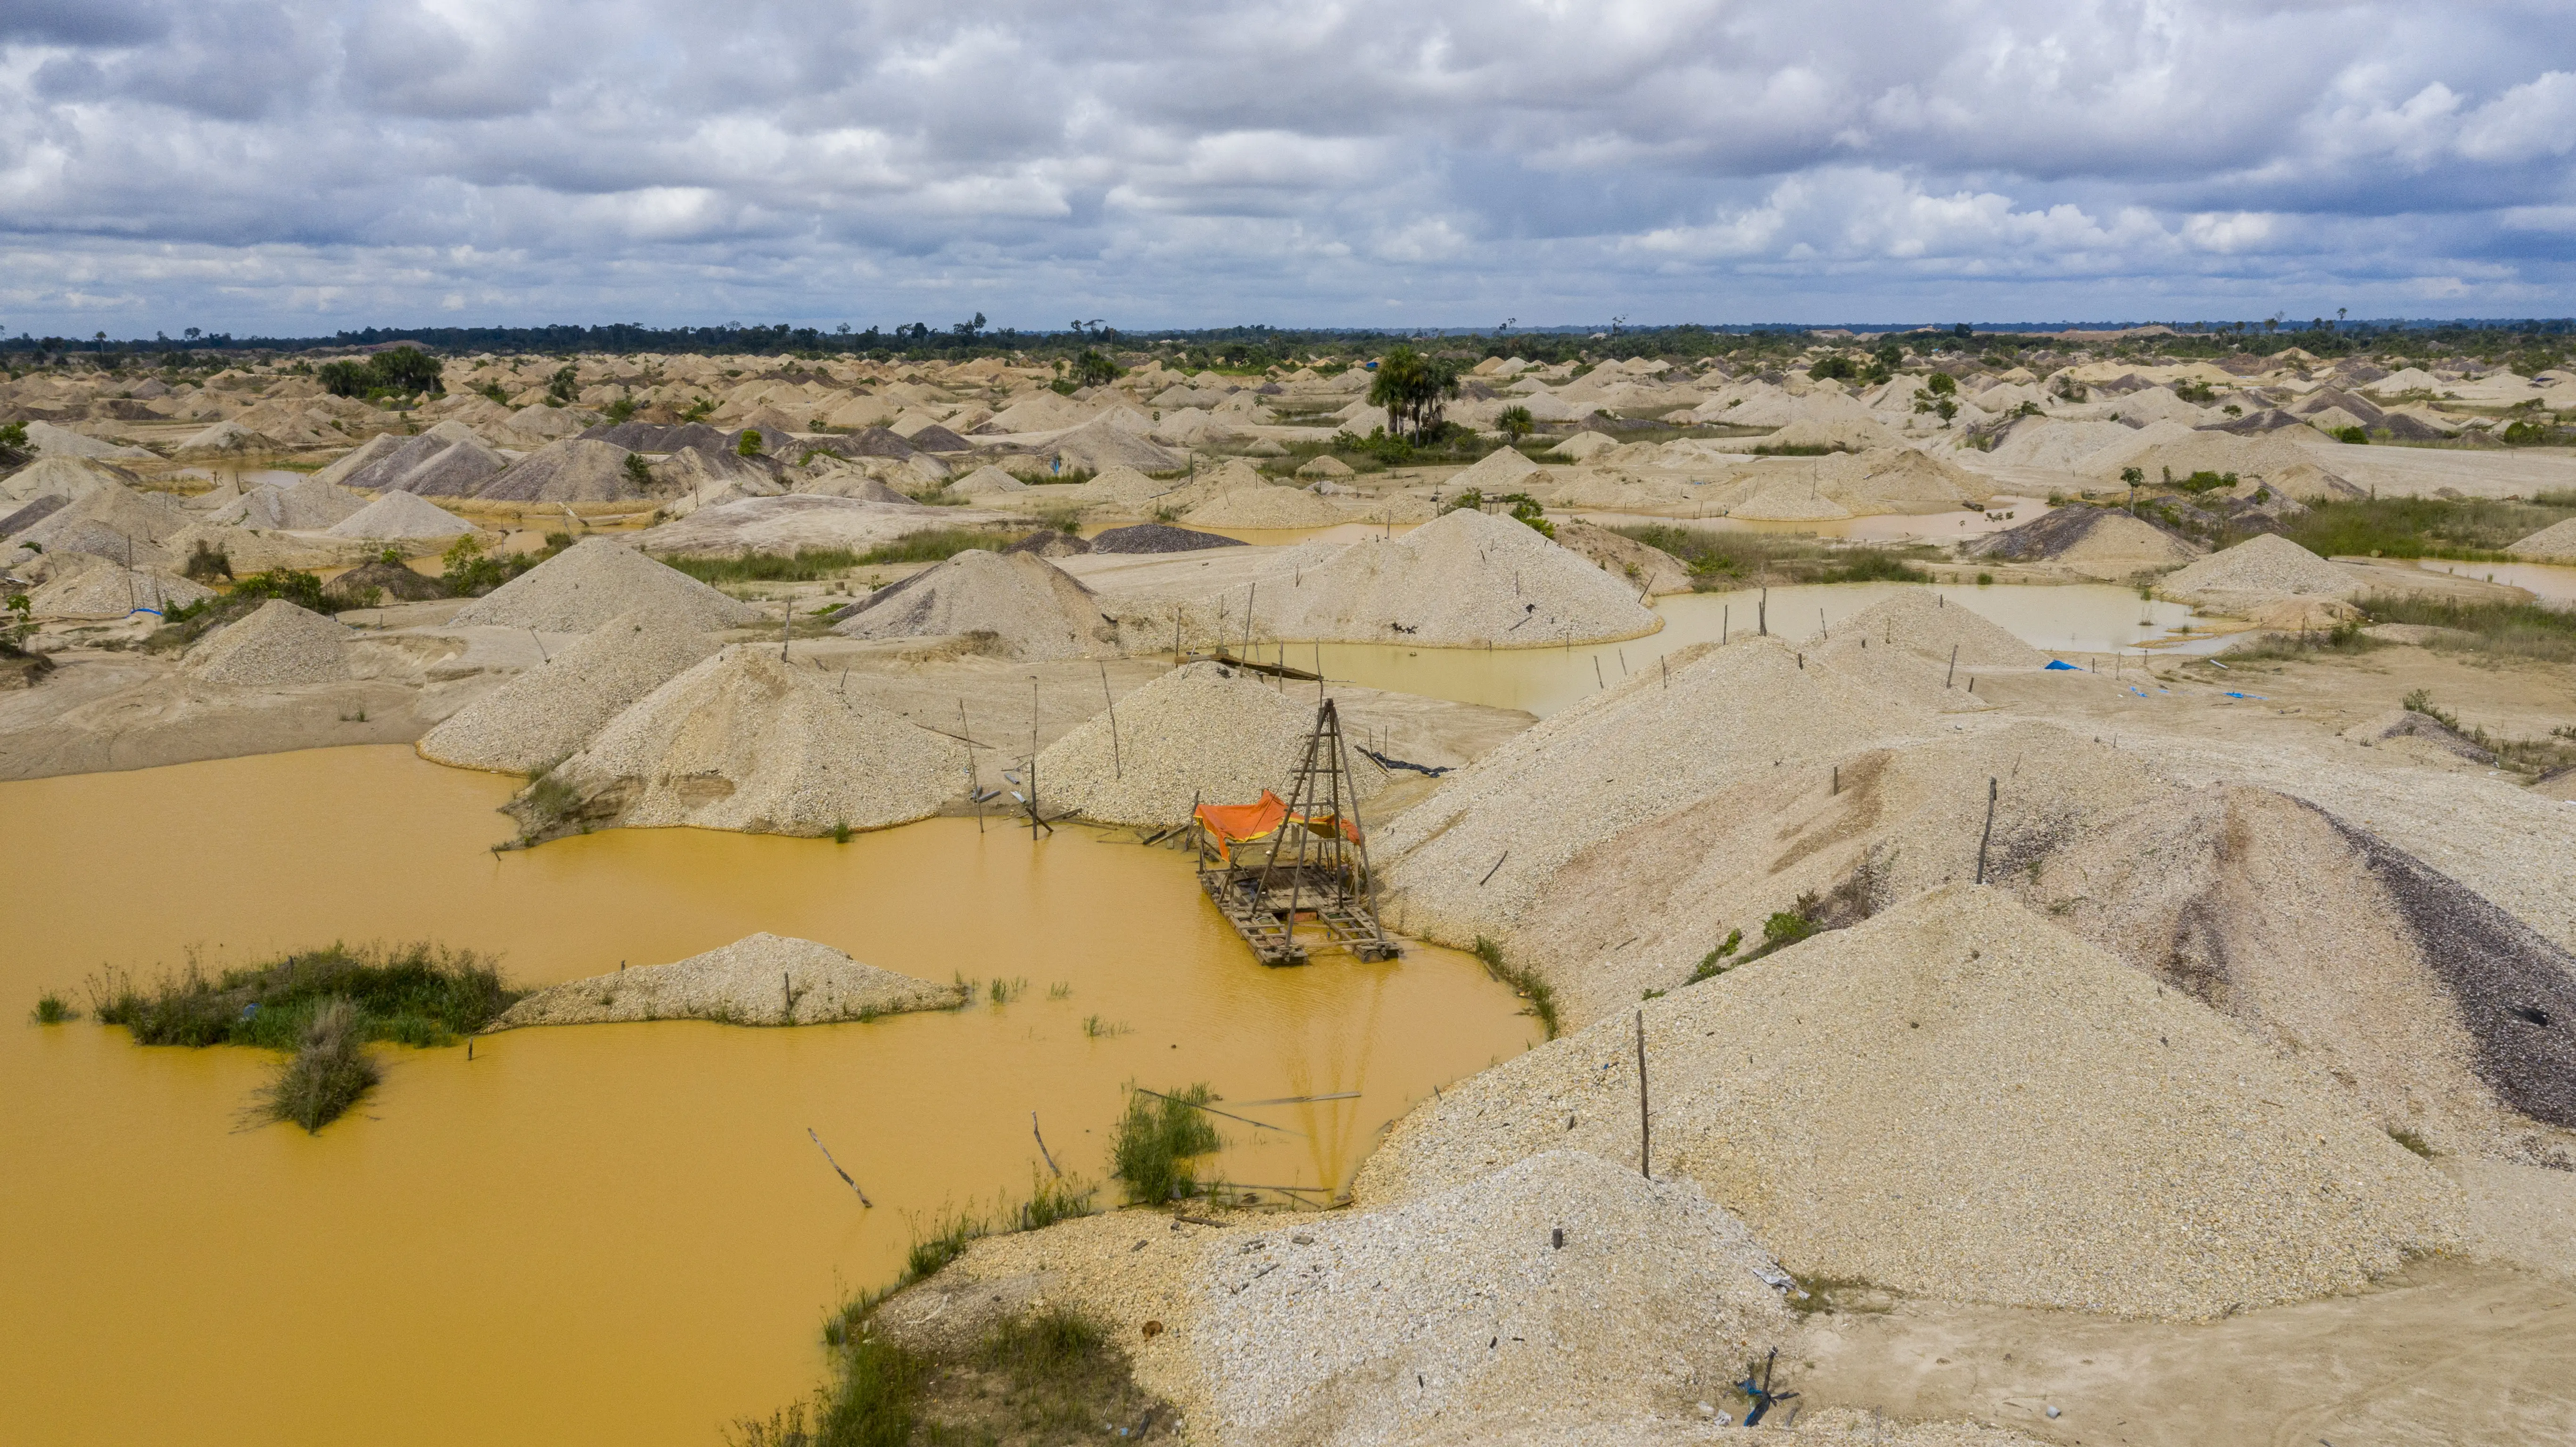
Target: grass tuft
329,1071
802,566
1156,1141
1526,983
2411,1141
938,545
52,1009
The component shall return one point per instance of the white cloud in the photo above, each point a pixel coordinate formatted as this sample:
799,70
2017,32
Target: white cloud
246,162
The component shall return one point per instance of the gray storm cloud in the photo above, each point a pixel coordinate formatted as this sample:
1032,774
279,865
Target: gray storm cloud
293,165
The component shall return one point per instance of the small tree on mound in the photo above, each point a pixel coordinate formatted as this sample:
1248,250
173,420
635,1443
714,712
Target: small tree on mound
1414,389
1516,423
561,387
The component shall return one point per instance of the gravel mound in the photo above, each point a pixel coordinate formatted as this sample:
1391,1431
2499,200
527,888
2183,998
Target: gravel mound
987,481
744,741
311,505
2039,1125
1031,606
763,979
366,454
64,477
2098,541
223,438
458,470
104,518
1502,470
1464,579
400,515
392,581
1201,732
1266,507
549,711
2264,566
1124,487
1918,620
598,579
1652,1296
32,513
1051,543
656,437
569,470
48,440
795,521
276,646
1645,569
1101,444
2555,543
107,590
1159,538
2056,443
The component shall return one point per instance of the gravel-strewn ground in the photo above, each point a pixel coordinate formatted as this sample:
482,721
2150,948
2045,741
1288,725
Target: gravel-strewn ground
763,979
1961,1100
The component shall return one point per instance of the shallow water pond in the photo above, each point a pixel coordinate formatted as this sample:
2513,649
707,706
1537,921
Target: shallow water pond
2081,619
606,1233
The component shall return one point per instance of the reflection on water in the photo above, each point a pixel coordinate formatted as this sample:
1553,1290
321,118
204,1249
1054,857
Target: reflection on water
599,1234
2551,583
2077,619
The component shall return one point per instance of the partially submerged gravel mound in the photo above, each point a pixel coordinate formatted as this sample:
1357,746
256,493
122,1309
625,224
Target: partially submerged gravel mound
2100,542
278,645
400,516
598,579
1560,1292
2263,567
2555,543
763,979
1464,579
1032,607
1922,622
2038,1125
744,741
569,470
1159,538
549,711
1204,732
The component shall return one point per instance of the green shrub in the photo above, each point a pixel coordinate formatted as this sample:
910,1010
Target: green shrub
936,545
329,1071
2352,434
1156,1141
53,1009
1713,964
416,994
804,565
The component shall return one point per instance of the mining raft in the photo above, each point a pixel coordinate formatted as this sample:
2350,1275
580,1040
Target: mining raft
1292,875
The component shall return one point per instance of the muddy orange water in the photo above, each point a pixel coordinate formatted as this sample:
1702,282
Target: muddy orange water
606,1233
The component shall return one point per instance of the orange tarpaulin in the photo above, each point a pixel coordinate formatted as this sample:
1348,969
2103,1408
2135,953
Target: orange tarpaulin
1232,824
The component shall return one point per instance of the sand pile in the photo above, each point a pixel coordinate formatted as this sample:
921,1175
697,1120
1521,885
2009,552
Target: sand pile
65,477
763,979
1033,608
1327,468
400,516
1652,1297
311,505
1897,480
2307,482
225,438
2555,543
1266,507
1157,538
2156,452
2055,444
1503,470
2039,1126
797,521
1921,621
104,519
570,470
276,646
458,470
1463,579
745,741
26,515
1100,445
48,440
109,590
595,580
1472,859
2259,569
1125,488
374,450
1643,568
392,582
549,711
987,481
1203,732
2098,542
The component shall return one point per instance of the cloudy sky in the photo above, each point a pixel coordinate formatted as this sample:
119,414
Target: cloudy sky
300,166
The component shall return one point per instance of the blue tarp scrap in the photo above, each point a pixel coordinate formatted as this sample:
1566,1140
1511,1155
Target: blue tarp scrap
2060,665
2255,696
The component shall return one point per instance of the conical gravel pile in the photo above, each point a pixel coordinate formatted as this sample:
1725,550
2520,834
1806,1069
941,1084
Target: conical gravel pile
550,711
1032,607
568,470
598,579
276,646
1464,579
399,516
745,741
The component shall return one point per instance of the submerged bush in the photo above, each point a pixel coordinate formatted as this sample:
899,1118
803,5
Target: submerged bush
1156,1141
329,1071
417,994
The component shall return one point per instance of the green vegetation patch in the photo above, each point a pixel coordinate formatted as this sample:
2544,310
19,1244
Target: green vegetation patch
938,545
2466,530
417,994
2523,630
1722,560
1157,1141
1524,982
803,566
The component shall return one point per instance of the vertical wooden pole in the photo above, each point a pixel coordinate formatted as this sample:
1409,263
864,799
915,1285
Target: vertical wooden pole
1990,830
1645,1125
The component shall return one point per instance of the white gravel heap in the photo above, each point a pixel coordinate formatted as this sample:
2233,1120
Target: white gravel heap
763,979
2262,567
987,481
1959,1100
277,646
1034,608
1466,1314
549,711
598,579
2555,543
1464,579
1502,470
1265,507
1203,732
108,590
744,741
398,516
1918,621
310,505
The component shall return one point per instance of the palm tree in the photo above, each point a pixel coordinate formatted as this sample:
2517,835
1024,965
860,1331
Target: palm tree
1414,390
